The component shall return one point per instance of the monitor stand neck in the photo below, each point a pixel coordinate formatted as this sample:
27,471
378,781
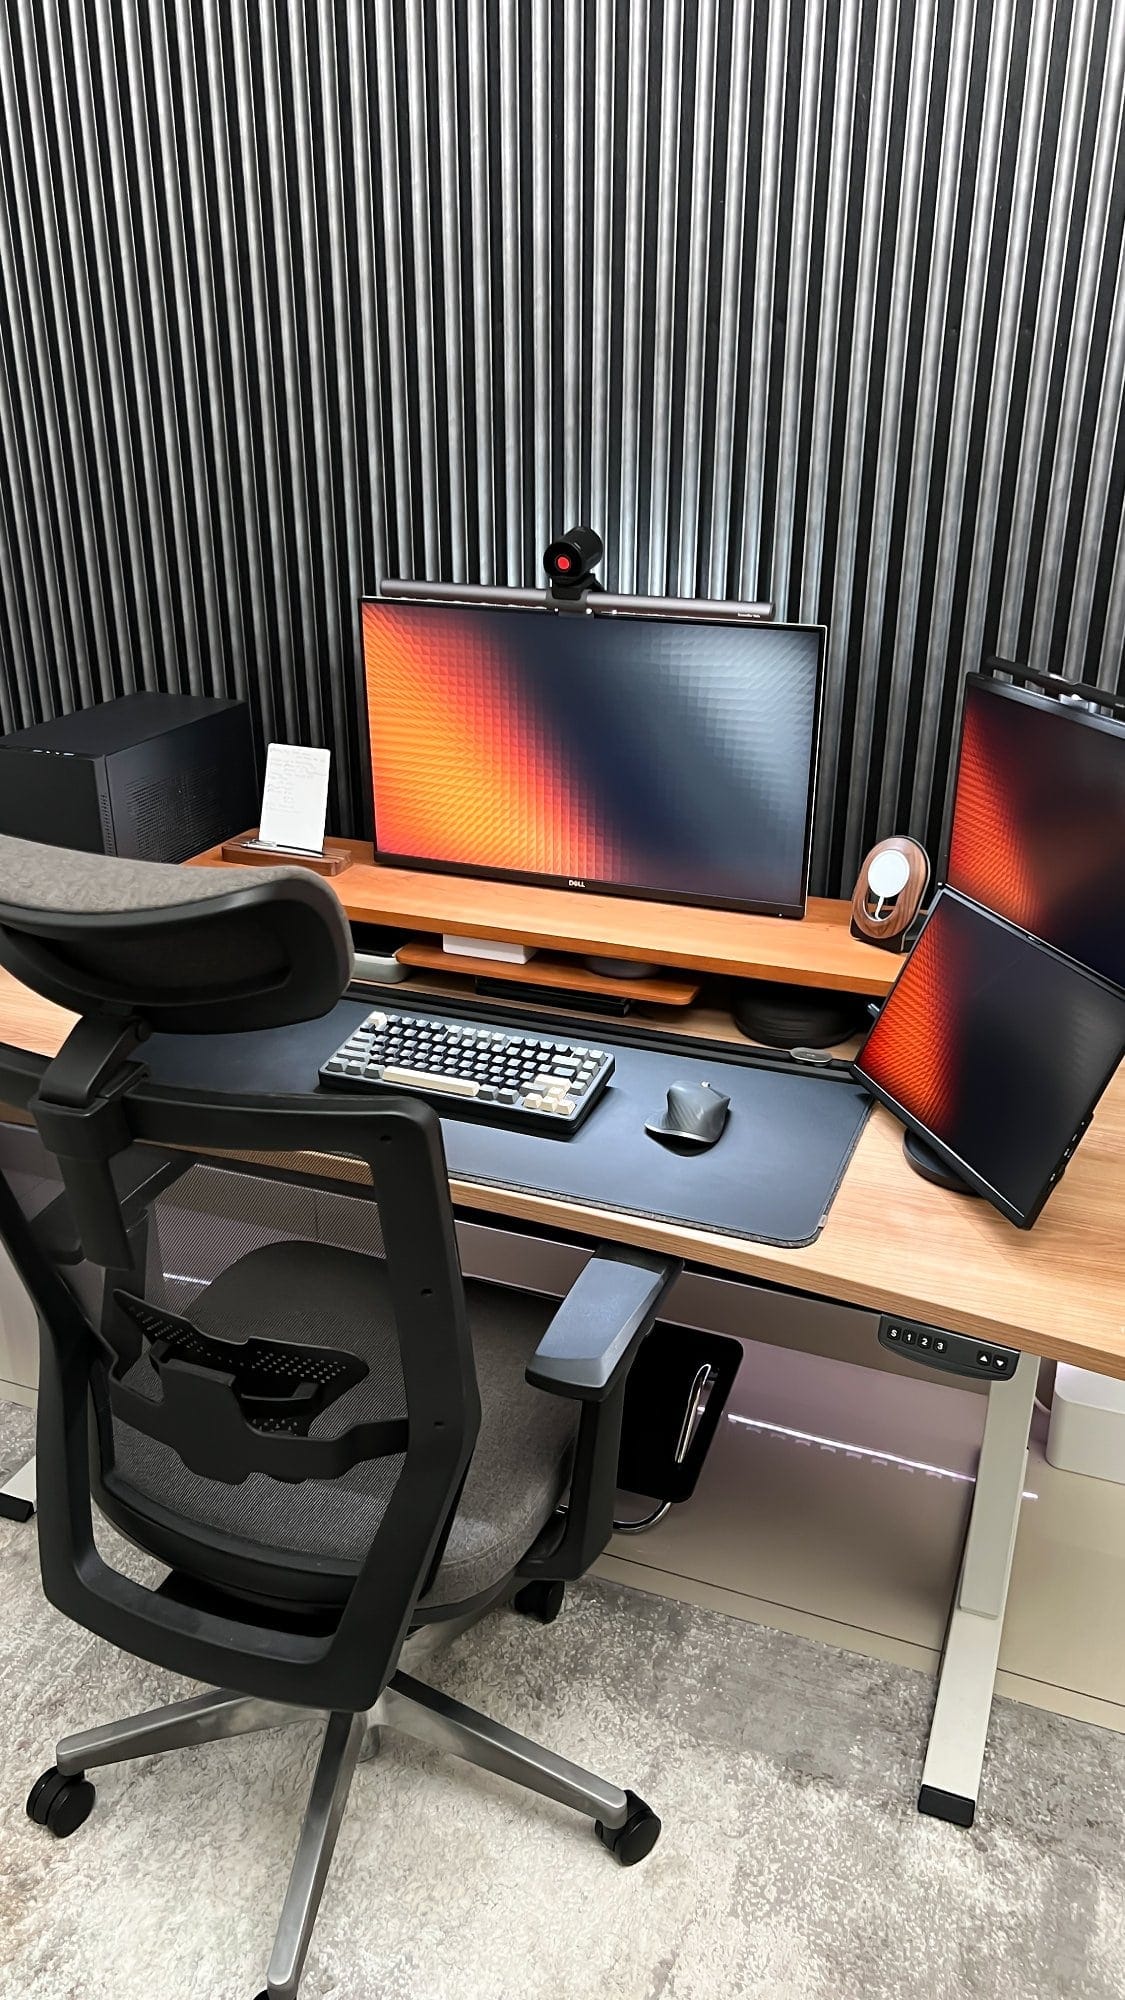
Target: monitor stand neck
930,1165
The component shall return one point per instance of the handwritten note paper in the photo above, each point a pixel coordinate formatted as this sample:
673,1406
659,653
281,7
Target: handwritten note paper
295,798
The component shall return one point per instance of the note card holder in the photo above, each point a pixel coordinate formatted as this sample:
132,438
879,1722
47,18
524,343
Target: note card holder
249,852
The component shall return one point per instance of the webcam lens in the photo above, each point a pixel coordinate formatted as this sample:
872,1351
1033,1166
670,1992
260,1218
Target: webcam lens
562,562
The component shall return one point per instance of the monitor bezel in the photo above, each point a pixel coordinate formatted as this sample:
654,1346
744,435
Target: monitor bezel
1023,1218
1036,698
591,886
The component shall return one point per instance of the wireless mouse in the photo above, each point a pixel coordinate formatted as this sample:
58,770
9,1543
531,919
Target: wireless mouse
695,1115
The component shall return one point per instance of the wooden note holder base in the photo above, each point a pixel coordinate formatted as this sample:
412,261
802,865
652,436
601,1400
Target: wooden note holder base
336,857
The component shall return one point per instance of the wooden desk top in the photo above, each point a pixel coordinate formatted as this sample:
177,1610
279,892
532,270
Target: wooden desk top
891,1241
818,950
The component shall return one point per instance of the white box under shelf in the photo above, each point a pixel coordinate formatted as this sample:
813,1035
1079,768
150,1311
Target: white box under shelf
1087,1431
507,951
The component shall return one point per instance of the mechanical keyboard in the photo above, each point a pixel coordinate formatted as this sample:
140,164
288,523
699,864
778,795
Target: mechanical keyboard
537,1082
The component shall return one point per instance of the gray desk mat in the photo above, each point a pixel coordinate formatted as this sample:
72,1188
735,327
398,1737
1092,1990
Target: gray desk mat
770,1178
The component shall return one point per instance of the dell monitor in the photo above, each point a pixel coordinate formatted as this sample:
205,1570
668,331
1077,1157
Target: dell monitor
1037,830
667,758
994,1049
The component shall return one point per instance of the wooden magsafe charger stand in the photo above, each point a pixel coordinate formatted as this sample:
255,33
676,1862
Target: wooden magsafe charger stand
889,892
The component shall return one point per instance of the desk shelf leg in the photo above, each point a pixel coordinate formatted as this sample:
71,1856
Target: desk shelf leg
967,1677
17,1498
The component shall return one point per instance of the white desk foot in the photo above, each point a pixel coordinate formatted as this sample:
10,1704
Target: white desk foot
17,1498
967,1677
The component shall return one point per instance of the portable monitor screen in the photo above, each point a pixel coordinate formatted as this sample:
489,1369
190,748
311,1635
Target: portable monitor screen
1038,826
657,757
996,1050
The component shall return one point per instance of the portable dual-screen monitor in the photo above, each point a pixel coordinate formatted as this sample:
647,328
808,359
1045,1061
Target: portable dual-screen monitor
1008,1019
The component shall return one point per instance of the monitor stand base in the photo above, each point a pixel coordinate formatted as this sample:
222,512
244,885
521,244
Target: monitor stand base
930,1165
622,968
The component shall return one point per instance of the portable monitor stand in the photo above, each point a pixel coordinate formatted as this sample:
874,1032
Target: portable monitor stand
932,1167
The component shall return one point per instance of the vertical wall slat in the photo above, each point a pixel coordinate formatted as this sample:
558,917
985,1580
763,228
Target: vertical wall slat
672,83
797,302
718,528
542,269
695,298
1027,96
628,296
422,333
954,507
398,307
774,111
452,360
606,138
866,194
227,638
569,222
841,86
508,221
44,421
1078,32
1079,357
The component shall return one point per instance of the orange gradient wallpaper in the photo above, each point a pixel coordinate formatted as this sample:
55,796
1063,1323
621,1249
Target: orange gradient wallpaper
995,1047
670,758
1038,829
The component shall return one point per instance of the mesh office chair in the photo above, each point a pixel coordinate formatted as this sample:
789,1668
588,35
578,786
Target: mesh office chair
327,1448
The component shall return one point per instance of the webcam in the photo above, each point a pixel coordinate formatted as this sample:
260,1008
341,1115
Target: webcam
570,561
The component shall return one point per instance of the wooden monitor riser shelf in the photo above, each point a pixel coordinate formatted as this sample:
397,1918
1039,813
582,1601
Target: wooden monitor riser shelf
816,951
891,1242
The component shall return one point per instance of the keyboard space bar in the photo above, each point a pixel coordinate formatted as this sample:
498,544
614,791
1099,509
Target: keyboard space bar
417,1079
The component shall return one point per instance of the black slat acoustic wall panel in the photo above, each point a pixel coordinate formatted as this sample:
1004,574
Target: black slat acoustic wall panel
820,300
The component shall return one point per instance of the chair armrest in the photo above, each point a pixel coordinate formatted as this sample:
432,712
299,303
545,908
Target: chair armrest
591,1341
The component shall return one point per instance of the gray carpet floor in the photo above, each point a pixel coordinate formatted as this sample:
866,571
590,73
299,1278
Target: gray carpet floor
792,1866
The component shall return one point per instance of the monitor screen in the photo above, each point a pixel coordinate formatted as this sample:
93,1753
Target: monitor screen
996,1050
667,758
1038,824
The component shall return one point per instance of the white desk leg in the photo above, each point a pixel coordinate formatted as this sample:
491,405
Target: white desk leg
967,1677
17,1498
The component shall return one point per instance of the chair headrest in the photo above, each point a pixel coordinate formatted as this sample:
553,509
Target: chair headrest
187,950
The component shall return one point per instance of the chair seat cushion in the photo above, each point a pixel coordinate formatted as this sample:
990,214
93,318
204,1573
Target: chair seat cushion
319,1295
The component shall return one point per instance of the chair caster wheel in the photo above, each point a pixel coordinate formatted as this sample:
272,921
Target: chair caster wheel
630,1843
61,1804
540,1600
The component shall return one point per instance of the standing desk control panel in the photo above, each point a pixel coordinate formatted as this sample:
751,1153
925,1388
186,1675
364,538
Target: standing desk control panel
956,1353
